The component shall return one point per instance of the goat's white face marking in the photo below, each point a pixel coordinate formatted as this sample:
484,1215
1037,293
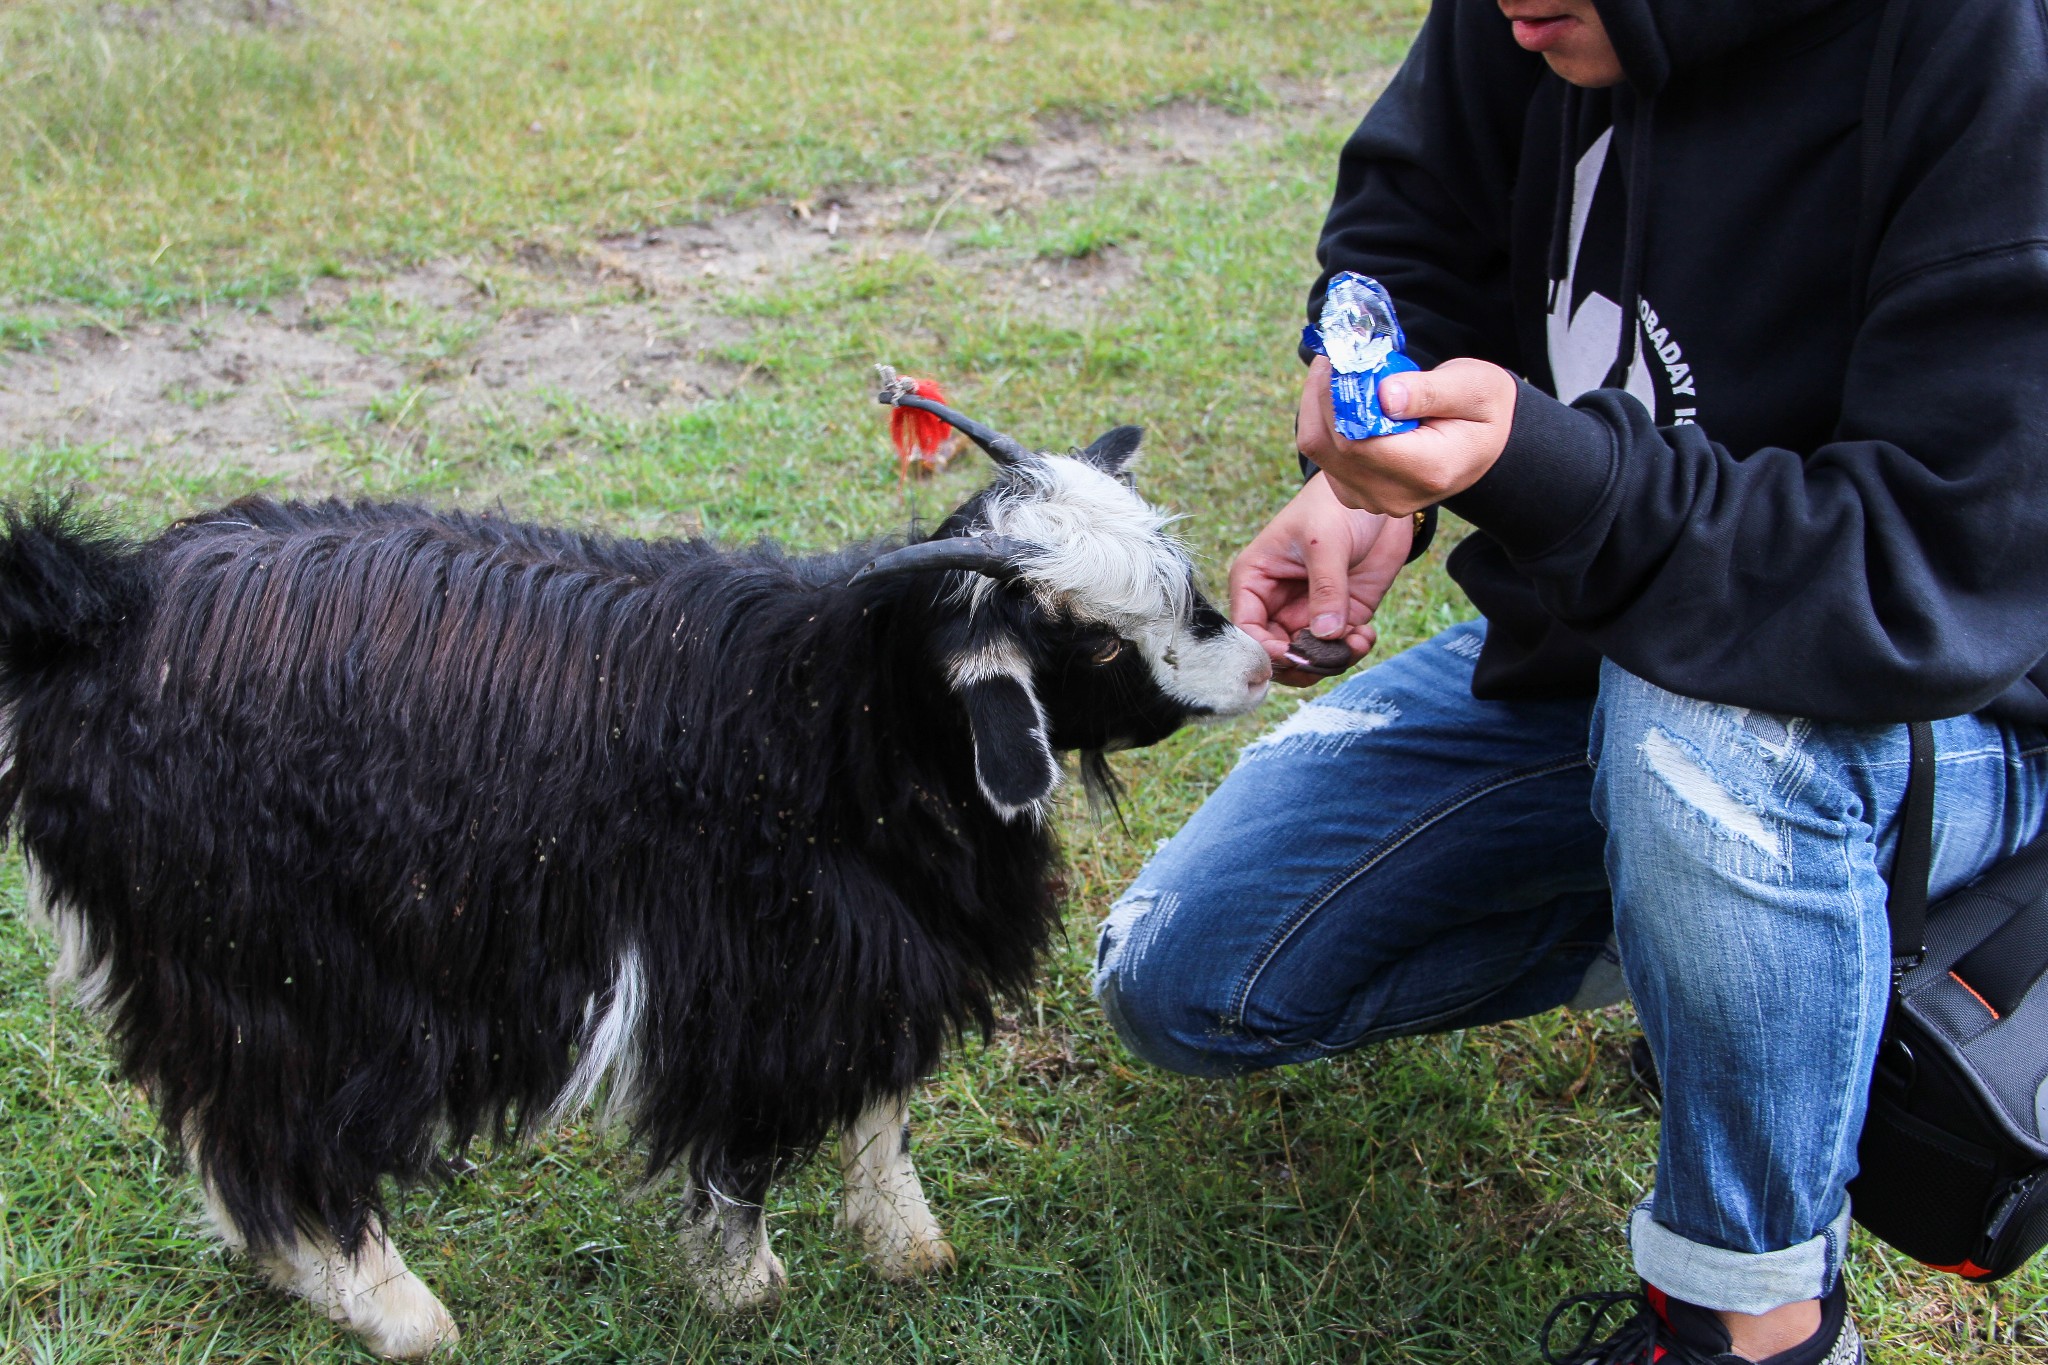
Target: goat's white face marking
1225,675
1104,553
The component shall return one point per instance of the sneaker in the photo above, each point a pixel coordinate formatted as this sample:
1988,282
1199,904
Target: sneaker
1668,1331
1642,1068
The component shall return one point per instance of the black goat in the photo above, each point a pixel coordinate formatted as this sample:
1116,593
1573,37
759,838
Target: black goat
373,829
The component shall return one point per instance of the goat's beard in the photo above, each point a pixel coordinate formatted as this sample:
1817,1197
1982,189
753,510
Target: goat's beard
1105,790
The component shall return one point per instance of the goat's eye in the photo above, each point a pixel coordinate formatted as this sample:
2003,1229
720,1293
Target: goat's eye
1108,650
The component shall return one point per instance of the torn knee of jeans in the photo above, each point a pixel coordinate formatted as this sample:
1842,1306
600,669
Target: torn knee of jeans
1134,925
1686,781
1327,724
1465,646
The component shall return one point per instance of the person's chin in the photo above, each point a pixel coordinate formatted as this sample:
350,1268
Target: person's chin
1591,73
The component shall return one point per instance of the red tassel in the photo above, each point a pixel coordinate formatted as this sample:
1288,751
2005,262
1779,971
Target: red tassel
921,439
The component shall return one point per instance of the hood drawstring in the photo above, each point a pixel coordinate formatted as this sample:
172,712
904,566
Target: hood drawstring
1561,207
1636,228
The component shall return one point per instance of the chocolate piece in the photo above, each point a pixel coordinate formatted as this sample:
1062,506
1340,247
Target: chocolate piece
1322,656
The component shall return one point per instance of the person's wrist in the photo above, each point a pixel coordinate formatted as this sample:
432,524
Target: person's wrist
1423,521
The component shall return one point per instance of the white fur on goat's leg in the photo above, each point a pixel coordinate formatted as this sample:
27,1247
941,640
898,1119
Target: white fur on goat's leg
371,1294
75,968
729,1257
884,1200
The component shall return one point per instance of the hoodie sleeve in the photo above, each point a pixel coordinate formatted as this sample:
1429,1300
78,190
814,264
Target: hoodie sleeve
1899,572
1422,199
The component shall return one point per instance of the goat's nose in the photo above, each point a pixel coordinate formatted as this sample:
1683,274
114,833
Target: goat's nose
1260,680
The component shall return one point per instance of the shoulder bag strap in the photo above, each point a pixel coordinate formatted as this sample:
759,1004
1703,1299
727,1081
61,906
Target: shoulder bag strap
1906,904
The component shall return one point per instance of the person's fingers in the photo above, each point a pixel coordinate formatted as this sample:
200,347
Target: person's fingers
1254,621
1456,390
1395,475
1326,552
1253,592
1274,642
1247,608
1243,570
1315,432
1408,395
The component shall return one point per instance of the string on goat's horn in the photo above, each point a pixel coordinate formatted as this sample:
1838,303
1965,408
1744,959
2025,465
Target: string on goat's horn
897,392
993,556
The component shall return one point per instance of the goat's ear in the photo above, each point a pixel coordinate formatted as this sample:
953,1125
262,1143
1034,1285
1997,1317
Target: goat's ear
1114,449
1013,760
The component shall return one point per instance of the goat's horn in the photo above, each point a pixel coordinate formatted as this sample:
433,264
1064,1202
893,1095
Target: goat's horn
995,556
901,393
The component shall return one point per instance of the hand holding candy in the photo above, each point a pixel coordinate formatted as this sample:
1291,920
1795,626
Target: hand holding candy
1454,419
1317,567
1466,407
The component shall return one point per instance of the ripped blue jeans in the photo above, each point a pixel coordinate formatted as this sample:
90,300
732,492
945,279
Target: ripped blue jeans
1398,857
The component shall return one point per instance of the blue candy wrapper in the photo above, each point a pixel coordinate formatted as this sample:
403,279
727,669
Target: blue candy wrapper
1364,342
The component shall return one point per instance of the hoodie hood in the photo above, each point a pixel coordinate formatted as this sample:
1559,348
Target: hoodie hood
1654,38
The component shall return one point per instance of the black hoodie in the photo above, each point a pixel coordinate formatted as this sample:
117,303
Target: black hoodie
1814,479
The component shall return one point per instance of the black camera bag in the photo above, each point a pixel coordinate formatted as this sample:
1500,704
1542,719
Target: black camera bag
1954,1153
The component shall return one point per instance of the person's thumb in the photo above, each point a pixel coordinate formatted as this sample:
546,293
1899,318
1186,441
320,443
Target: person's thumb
1327,557
1462,388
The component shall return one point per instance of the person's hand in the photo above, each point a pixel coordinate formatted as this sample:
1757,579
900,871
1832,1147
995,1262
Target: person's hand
1320,565
1466,408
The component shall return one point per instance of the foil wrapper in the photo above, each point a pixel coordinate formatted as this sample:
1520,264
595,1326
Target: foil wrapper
1364,342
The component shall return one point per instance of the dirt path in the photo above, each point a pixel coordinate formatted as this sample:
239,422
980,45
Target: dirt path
626,325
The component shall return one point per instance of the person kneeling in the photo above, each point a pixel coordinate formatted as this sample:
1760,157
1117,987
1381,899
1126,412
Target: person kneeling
1768,490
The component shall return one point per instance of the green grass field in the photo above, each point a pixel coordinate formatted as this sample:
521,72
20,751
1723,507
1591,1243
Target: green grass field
178,171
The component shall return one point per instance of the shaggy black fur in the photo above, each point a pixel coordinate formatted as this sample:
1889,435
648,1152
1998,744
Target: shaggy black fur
361,806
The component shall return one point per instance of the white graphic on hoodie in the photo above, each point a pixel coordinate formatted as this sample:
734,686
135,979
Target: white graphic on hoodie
1583,341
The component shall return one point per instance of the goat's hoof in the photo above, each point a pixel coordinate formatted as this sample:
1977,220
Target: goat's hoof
744,1290
913,1261
409,1323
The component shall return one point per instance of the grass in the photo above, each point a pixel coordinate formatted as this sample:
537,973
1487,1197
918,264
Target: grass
24,333
149,159
1425,1201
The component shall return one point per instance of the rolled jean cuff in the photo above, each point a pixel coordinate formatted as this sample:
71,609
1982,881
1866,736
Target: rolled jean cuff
1737,1281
